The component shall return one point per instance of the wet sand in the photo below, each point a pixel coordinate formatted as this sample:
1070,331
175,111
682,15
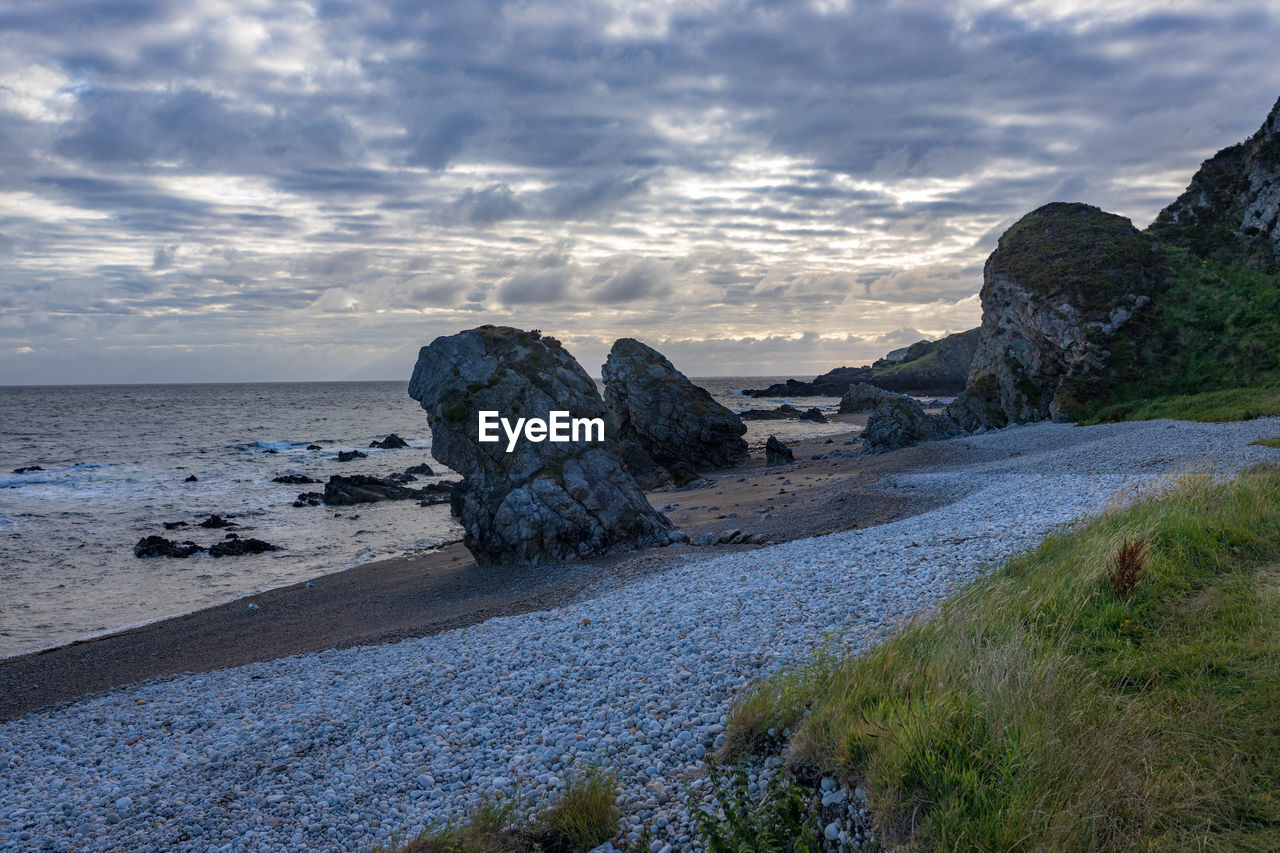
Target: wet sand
393,600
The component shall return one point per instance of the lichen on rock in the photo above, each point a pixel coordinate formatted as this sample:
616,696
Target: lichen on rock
544,500
665,418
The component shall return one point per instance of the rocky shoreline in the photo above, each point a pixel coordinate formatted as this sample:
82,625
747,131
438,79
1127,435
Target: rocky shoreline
343,749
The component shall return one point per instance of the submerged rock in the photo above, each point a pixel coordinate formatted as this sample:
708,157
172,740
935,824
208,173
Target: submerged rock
240,547
391,442
349,455
668,418
901,422
543,500
27,469
777,453
192,479
423,469
294,479
361,489
158,546
215,522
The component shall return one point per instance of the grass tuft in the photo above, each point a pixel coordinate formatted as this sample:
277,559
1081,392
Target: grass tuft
1035,710
585,816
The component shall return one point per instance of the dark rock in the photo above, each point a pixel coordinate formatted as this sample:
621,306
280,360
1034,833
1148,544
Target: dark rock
423,470
402,479
158,546
900,422
294,479
240,547
271,450
215,522
777,453
666,417
27,469
361,489
314,447
862,397
391,442
192,479
813,414
544,500
309,499
1232,206
1057,294
348,455
174,525
786,411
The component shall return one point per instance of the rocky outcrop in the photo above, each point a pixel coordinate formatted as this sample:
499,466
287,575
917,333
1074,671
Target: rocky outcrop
391,442
351,455
1058,294
929,367
294,479
543,500
1232,205
361,489
900,421
784,412
862,398
672,421
777,453
926,368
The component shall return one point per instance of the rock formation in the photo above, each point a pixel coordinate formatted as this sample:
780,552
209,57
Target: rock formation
1057,294
668,418
1232,205
777,453
544,500
862,398
899,421
927,367
391,442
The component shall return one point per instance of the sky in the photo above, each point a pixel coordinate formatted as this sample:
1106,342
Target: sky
238,191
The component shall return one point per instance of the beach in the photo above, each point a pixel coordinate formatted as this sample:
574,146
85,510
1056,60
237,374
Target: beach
632,670
390,600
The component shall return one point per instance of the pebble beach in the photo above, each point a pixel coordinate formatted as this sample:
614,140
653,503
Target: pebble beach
345,750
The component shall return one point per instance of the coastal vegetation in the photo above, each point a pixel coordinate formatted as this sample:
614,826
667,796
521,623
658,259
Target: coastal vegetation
585,816
1217,342
1112,689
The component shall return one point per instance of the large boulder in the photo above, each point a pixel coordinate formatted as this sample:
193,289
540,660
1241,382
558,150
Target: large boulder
672,421
899,421
777,453
543,500
1057,294
1232,206
862,398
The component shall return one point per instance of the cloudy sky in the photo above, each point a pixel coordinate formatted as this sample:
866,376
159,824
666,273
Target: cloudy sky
217,190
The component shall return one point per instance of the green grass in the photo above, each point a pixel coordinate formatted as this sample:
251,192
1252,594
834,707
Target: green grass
1039,710
1211,352
1267,442
585,816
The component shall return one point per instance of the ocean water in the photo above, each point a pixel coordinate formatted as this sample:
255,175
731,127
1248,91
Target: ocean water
116,458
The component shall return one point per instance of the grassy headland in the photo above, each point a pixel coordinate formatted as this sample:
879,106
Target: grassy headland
1057,704
1212,352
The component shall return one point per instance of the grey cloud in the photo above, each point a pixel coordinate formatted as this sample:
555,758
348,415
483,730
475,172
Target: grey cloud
534,287
486,207
639,279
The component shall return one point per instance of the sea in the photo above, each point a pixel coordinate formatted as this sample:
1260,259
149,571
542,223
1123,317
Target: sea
116,459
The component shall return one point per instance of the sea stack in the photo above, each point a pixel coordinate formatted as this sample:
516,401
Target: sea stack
527,501
670,428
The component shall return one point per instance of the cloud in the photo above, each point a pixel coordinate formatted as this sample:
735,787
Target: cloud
786,174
